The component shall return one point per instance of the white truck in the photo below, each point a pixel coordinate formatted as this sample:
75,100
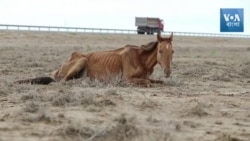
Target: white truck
149,25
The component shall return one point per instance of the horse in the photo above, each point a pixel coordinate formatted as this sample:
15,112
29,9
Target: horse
133,64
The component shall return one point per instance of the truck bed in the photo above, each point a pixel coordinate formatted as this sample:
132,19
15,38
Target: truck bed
148,22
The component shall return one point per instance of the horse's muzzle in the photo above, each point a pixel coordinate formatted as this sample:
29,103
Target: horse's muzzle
167,72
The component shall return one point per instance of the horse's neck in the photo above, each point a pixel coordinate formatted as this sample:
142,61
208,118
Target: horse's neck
151,59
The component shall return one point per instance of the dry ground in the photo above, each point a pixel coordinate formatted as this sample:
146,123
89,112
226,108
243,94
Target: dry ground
206,99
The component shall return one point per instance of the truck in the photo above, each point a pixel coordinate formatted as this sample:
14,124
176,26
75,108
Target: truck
149,25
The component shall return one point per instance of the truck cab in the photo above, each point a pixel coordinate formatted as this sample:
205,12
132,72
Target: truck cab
161,25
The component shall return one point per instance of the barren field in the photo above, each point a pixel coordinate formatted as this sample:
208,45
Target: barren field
207,97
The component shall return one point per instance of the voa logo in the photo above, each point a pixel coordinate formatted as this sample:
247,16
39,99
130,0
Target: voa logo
231,20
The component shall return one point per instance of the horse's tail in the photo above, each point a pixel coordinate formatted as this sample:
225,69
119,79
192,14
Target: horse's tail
37,80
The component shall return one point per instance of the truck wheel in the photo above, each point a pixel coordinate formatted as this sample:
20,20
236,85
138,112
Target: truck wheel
150,33
140,32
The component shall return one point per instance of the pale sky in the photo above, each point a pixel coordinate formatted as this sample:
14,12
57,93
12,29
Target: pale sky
178,15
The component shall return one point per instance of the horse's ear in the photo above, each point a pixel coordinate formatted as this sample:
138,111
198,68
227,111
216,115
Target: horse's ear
159,38
171,36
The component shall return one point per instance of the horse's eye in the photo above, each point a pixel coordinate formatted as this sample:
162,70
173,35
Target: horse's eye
172,51
160,51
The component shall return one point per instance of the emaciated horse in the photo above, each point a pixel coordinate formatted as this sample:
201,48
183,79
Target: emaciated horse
132,63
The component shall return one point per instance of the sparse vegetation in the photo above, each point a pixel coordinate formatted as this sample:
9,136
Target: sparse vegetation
2,93
152,119
66,99
210,63
227,137
245,71
195,71
41,115
5,71
248,49
34,65
197,110
148,104
123,129
88,48
72,33
75,131
36,96
174,81
111,92
205,71
31,107
27,97
220,77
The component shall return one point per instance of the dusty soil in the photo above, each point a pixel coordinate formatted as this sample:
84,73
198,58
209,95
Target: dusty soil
206,99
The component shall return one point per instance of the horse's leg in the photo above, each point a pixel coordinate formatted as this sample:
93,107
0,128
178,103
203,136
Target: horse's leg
156,81
77,67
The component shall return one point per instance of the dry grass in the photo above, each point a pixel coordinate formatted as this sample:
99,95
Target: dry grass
248,49
31,107
148,104
2,93
75,131
41,115
180,109
211,63
85,99
34,95
245,71
198,110
72,99
174,81
152,119
227,137
220,77
123,129
195,71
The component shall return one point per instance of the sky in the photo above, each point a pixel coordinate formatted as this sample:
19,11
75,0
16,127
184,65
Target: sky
178,15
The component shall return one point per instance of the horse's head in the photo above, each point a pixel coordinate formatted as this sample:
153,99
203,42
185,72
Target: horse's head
165,53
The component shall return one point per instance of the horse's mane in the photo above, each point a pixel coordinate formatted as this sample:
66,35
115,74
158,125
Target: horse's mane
150,46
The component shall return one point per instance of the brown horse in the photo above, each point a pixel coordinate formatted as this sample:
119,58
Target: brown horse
132,63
